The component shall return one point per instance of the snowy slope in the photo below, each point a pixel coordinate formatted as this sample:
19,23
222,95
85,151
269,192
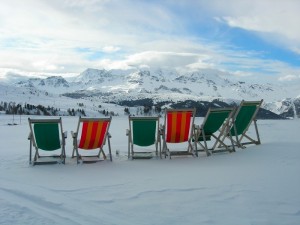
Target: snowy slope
258,185
157,84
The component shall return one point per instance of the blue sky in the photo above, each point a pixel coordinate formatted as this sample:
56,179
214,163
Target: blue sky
257,39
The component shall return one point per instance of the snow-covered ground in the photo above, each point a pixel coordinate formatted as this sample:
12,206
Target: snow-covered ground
258,185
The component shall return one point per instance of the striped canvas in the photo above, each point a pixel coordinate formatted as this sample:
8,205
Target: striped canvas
93,134
178,126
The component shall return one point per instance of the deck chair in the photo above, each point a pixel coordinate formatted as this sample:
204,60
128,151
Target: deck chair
178,128
46,135
90,137
244,116
215,126
142,133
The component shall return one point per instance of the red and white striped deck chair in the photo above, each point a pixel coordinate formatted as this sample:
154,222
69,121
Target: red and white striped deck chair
93,133
178,128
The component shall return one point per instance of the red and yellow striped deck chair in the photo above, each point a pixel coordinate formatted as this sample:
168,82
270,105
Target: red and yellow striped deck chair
93,133
178,128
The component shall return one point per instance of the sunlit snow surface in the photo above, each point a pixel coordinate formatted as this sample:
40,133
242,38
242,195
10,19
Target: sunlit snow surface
258,185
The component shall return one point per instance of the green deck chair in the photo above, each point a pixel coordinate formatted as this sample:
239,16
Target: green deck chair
143,132
214,127
244,116
46,135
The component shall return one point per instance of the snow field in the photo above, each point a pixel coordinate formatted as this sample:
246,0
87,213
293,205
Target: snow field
257,185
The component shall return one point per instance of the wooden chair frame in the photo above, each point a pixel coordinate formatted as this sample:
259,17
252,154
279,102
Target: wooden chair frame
90,147
168,130
218,130
240,135
154,140
43,125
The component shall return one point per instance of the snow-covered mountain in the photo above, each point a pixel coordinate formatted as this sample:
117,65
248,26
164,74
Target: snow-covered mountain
167,84
160,85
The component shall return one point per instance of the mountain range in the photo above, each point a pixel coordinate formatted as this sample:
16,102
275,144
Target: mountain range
98,87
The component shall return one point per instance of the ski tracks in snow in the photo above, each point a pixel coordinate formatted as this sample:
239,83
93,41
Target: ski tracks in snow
45,206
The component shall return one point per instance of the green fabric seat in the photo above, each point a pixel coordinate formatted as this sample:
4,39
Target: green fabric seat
47,136
214,121
243,118
143,132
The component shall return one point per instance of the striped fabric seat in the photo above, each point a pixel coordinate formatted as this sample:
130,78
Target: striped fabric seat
93,133
178,128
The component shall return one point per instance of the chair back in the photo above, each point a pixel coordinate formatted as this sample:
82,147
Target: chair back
214,119
93,132
46,134
244,116
178,124
144,130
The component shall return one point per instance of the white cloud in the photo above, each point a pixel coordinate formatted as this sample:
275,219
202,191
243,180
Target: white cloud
41,36
289,77
110,49
296,50
155,59
46,66
113,64
274,20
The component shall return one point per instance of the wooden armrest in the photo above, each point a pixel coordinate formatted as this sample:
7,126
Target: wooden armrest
161,129
74,134
29,136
